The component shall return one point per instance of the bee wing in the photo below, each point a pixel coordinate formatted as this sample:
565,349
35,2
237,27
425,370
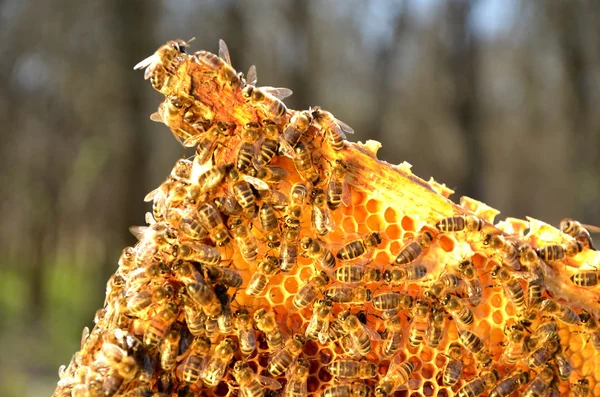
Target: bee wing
224,51
150,218
146,62
372,333
396,360
251,77
257,183
278,92
414,384
84,335
156,117
193,140
591,228
286,149
346,196
277,199
345,127
324,334
138,231
323,215
269,383
150,196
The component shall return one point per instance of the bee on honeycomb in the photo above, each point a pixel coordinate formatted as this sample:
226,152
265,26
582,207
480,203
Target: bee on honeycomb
284,260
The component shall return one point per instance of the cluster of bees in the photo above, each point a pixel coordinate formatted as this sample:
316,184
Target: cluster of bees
190,310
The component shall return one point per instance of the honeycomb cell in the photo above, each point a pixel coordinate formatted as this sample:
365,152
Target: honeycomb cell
324,375
428,389
360,214
374,206
349,225
374,223
394,232
408,224
498,317
291,285
390,215
446,243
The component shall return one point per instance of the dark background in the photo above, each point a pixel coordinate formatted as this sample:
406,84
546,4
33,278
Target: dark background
496,98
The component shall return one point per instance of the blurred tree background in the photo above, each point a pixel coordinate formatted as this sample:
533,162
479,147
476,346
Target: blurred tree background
493,97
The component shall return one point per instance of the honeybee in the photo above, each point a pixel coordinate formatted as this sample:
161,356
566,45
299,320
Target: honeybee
511,286
245,239
357,248
445,283
245,331
204,296
139,304
472,289
267,99
321,218
510,384
211,220
515,349
226,74
527,255
309,290
360,334
354,389
194,317
542,334
293,212
412,250
592,327
229,277
269,146
259,280
270,224
337,188
349,294
479,385
319,322
127,259
160,324
196,362
392,334
117,359
559,311
542,354
265,322
540,385
419,324
468,223
200,253
507,250
437,327
163,63
169,348
336,130
348,368
297,126
475,346
392,300
184,118
581,388
316,250
552,253
353,274
401,275
251,384
396,377
206,181
207,142
578,231
453,369
458,309
563,365
288,253
247,150
296,385
225,319
241,187
282,359
303,163
191,226
271,174
217,365
586,278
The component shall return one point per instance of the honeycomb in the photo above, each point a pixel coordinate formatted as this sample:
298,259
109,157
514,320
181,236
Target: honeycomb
210,302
